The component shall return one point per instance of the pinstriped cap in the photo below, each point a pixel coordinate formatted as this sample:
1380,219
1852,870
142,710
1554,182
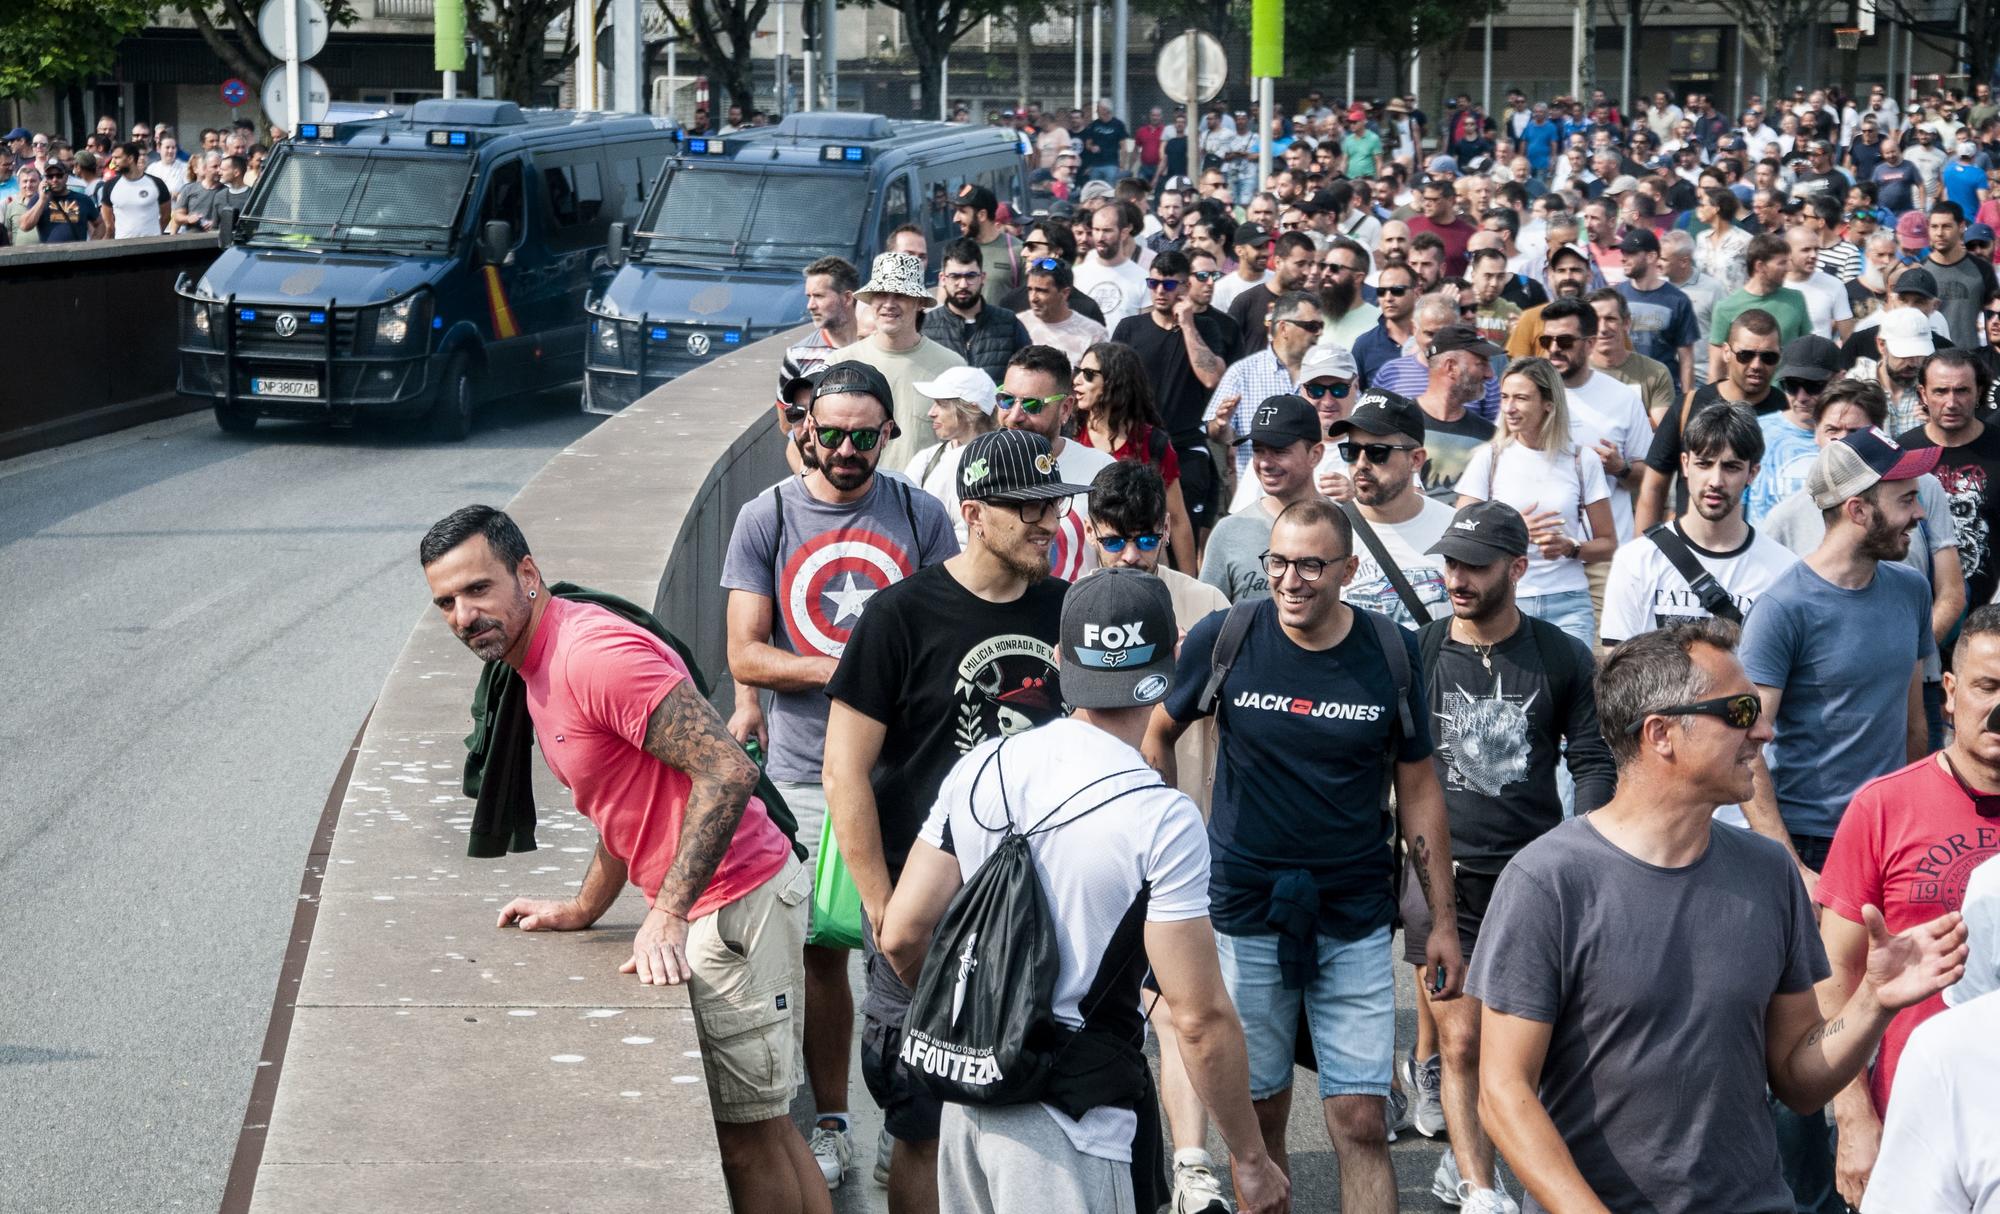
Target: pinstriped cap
1011,466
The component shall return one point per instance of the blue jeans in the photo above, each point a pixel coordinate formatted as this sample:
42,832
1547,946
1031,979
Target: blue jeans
1106,173
1569,610
1351,1007
1805,1155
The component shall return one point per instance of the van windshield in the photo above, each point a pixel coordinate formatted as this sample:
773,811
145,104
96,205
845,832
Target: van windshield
346,200
749,217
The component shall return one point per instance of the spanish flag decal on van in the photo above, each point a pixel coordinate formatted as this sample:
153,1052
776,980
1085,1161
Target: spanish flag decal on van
496,304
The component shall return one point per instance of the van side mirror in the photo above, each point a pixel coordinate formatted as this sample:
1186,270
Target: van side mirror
225,225
494,240
614,246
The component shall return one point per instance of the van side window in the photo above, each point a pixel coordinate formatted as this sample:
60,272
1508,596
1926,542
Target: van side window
560,180
895,208
631,188
504,197
589,191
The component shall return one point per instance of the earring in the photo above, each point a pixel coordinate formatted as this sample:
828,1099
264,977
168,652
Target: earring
531,594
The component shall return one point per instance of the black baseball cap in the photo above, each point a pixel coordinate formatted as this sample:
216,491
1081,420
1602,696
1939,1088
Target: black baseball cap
1917,281
1811,357
1380,412
978,197
1482,533
1010,466
1281,421
1251,234
1460,337
1639,240
1117,640
856,377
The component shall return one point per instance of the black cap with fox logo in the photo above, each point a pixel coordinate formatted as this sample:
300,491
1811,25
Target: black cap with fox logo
1117,640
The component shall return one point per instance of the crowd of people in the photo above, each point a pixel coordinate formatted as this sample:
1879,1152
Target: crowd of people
147,184
1564,538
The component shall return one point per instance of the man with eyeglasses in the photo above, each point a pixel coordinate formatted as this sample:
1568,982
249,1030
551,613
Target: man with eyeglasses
1183,349
1294,325
1381,451
1204,273
1750,378
1574,1087
788,625
1317,726
1037,395
984,334
956,654
1286,443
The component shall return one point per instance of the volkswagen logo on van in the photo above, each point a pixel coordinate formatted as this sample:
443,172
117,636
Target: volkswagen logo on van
698,345
286,324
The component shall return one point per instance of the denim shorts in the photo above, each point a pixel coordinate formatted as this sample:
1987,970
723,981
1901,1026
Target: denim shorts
1568,610
1351,1007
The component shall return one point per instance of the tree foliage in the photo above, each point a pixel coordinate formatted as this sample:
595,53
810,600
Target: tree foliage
229,27
934,25
46,43
513,33
724,32
1320,33
1977,44
1773,27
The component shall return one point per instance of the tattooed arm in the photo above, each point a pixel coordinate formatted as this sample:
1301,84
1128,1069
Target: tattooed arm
1809,1058
1206,363
686,733
1428,839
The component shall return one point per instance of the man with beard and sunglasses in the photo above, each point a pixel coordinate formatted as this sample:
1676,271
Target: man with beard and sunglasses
954,655
789,622
672,796
1342,266
1754,351
1381,447
1037,394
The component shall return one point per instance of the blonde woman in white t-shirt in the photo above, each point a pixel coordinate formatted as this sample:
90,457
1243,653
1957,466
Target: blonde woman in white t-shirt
963,406
1534,465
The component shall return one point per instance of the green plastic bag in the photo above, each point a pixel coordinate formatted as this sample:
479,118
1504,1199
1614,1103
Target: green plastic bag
836,919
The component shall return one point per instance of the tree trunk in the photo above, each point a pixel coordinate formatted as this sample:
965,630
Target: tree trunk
1024,47
1588,70
236,56
928,48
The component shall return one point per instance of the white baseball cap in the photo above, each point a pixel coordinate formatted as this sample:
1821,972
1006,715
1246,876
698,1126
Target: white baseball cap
1327,362
962,383
1906,333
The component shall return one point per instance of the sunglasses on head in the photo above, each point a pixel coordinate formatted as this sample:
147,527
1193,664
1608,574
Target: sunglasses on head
1737,712
1115,544
1319,391
1377,453
831,437
1768,357
1030,405
1047,265
1163,284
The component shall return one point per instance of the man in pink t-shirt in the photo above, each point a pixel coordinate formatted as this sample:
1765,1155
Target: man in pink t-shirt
651,764
1907,845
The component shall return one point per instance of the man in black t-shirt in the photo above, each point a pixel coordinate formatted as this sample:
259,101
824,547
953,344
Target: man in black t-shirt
1509,696
1751,358
941,661
1103,144
1179,346
1969,469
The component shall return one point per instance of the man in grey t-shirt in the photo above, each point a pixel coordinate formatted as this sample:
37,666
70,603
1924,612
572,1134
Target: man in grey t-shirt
804,559
1647,971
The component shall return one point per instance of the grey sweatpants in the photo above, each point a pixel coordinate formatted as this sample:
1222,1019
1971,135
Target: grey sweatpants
1004,1160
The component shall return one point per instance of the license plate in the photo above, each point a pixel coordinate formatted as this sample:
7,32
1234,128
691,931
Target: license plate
284,387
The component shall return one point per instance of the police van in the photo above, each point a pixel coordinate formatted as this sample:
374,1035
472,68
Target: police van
413,264
716,260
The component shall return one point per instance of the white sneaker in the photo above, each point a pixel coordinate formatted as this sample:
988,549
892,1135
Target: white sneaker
1426,1080
1486,1201
1446,1182
1197,1189
1397,1110
884,1147
834,1149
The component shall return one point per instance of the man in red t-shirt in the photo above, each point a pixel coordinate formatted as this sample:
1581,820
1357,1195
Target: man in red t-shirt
1148,139
1440,216
1907,845
652,765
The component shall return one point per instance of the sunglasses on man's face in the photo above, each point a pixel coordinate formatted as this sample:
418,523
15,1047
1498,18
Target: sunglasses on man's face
1768,357
1115,544
1311,326
1169,285
1338,391
1030,405
1557,341
1377,453
1737,712
794,414
831,437
1801,387
1397,292
1205,275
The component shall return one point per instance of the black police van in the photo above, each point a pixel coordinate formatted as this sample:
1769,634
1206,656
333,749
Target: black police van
716,260
414,263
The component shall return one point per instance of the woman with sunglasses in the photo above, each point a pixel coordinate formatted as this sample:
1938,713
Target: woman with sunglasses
1534,465
1116,413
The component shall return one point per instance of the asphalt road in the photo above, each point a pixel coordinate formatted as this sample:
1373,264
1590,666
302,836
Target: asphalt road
196,625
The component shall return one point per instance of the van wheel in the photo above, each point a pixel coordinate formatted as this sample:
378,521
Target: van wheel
450,417
235,419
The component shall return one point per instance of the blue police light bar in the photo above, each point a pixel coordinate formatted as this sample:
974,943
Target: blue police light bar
316,130
707,146
838,153
731,338
246,315
450,139
658,334
315,318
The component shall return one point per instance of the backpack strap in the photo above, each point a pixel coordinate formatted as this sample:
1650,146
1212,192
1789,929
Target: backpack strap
1714,599
1400,584
910,512
1389,635
1235,626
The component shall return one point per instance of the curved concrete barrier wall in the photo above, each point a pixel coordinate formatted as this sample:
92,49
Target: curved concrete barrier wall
104,313
431,1061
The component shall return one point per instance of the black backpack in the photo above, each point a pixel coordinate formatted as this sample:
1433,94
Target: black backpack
981,1029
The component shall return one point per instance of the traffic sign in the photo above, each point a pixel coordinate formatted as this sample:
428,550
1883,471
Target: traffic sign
235,92
1210,66
314,99
312,28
